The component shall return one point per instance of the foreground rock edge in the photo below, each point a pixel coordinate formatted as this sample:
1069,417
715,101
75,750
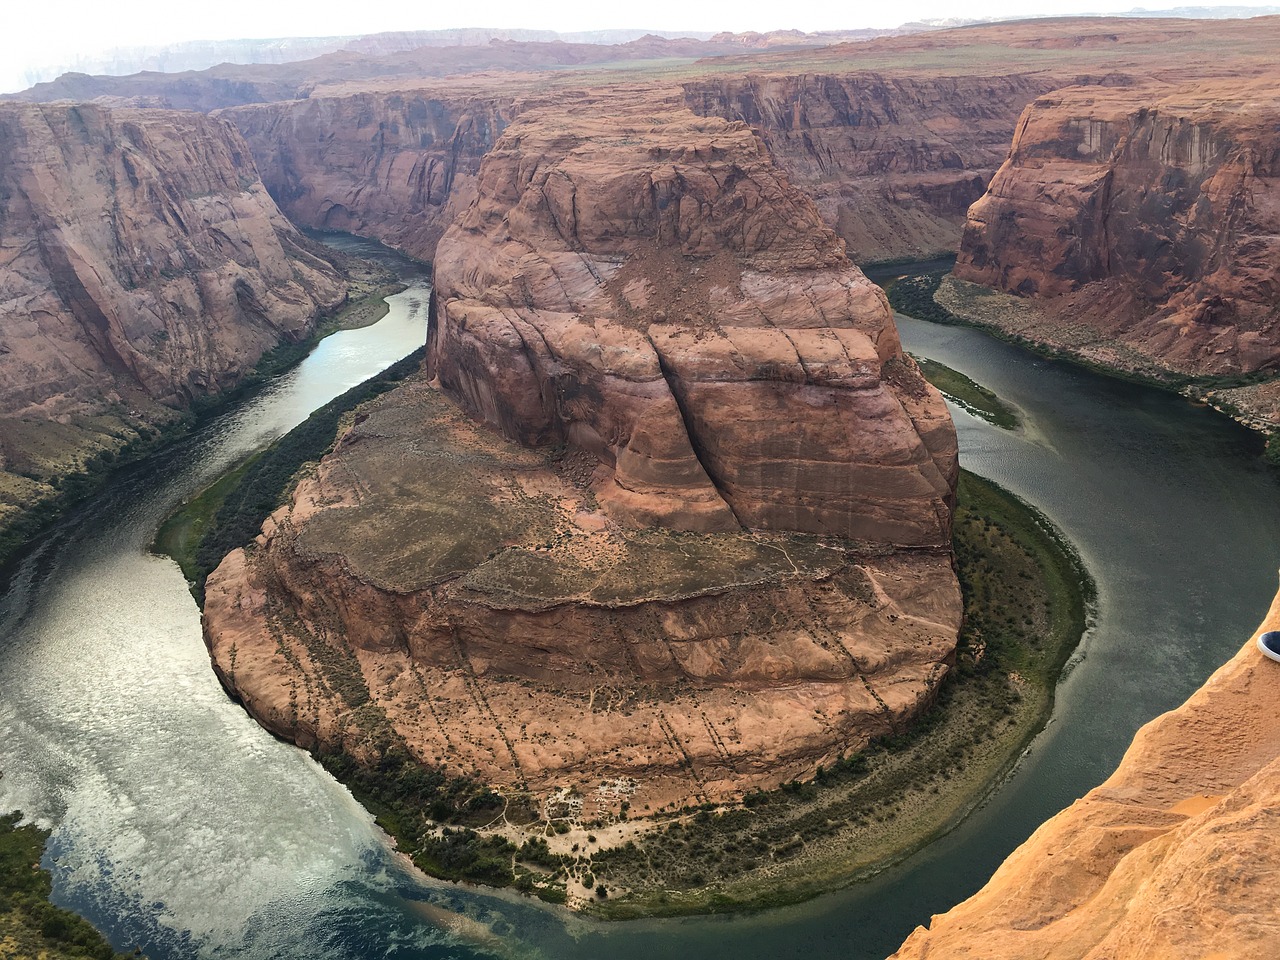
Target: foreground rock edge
1169,858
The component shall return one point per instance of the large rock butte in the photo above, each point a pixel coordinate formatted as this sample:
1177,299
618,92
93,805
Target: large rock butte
725,512
1172,858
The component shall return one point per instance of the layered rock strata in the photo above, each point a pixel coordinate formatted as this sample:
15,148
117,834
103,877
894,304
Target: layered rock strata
721,508
655,292
142,263
892,162
398,166
1172,857
1142,221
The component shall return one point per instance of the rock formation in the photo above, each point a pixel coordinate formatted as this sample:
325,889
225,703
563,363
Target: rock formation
397,166
1155,207
142,263
1174,856
645,285
727,512
892,162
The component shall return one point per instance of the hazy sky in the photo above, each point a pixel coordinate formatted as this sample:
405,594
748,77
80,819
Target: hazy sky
40,32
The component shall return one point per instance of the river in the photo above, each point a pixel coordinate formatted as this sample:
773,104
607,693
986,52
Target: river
181,827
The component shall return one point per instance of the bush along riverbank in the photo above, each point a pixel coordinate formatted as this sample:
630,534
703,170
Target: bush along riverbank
48,468
916,294
30,925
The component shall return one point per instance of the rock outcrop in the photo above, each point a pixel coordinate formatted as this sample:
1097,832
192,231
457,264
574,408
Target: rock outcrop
142,263
722,507
1173,857
1143,220
644,284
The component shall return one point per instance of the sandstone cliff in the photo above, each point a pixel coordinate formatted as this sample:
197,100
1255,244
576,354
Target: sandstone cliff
892,162
398,166
142,263
1175,856
727,512
1143,220
644,284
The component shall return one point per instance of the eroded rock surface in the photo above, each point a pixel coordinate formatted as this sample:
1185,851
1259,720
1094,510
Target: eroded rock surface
1144,220
1172,857
644,284
893,162
142,263
473,596
721,509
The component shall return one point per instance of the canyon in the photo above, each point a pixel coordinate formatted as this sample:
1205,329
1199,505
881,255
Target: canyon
143,265
668,483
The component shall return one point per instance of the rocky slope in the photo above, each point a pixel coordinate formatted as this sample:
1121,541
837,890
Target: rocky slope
142,263
1173,857
726,511
1157,207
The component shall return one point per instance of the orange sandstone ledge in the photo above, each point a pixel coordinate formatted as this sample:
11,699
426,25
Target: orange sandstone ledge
1176,856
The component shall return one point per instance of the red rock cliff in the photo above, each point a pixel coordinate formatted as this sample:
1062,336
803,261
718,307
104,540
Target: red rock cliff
396,166
643,283
140,257
893,163
1157,208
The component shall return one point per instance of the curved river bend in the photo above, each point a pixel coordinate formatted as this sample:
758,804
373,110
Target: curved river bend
181,827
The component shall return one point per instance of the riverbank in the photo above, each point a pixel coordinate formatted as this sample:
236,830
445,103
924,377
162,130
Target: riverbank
929,293
30,925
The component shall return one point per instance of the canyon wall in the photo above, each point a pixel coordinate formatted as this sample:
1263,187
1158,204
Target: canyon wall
892,162
397,166
1174,856
142,264
691,492
1143,219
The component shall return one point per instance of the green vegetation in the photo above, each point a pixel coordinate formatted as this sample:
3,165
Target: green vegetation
229,513
31,926
971,396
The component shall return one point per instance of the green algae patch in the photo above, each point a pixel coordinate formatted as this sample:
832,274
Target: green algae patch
969,395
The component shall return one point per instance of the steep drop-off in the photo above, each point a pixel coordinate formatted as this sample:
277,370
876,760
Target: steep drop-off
726,511
142,264
1143,225
1173,857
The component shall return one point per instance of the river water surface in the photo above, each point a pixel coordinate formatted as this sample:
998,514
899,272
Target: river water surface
181,827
